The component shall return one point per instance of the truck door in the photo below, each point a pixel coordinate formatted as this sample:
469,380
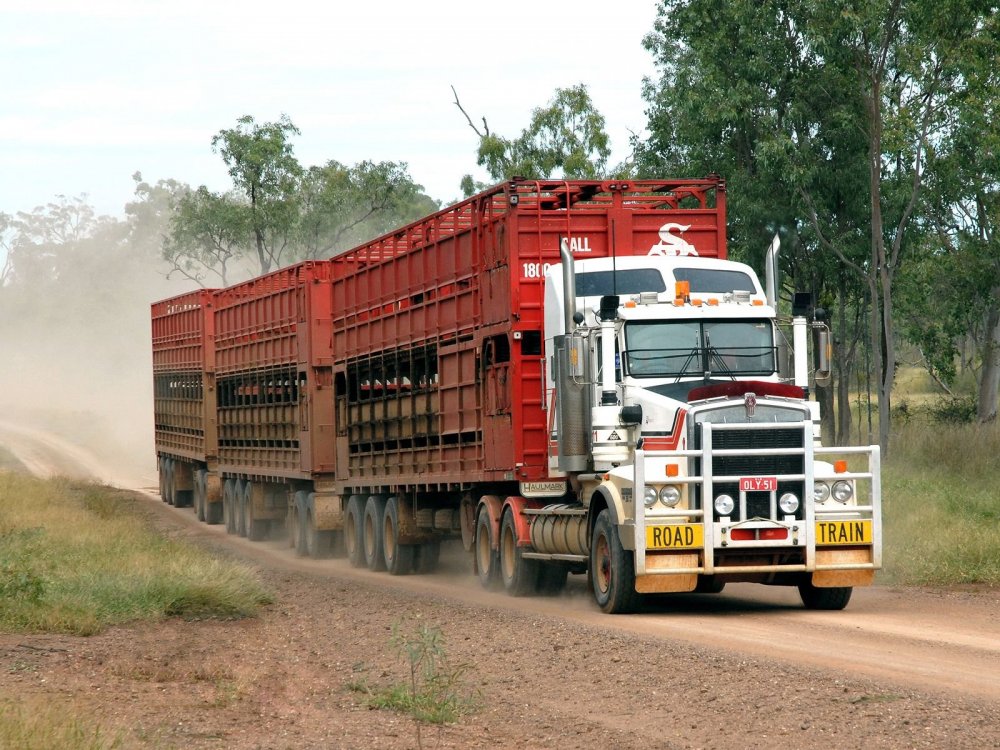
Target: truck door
497,383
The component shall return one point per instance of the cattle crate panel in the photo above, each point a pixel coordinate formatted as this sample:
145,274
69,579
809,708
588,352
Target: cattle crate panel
183,379
273,360
437,328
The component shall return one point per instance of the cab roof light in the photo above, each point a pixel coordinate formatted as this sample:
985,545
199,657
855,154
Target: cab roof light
758,303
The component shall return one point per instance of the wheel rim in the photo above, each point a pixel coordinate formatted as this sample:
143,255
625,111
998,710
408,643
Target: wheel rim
351,534
484,553
602,568
389,540
369,536
508,553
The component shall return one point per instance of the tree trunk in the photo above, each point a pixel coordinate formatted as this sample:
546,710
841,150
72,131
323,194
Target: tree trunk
989,381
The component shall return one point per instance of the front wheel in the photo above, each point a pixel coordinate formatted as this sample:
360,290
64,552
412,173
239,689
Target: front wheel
612,569
814,597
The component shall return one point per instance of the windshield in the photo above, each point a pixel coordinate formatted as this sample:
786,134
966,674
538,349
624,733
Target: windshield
660,348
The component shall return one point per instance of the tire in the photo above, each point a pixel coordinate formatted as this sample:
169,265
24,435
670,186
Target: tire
161,471
398,557
612,569
552,578
825,598
485,550
168,482
256,528
354,522
319,543
426,557
200,492
296,518
229,505
709,585
240,506
213,511
371,533
519,575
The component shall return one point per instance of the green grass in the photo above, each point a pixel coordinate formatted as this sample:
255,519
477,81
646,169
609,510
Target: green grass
46,727
941,505
77,558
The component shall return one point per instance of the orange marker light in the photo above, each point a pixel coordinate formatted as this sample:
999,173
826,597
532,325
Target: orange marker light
840,467
673,470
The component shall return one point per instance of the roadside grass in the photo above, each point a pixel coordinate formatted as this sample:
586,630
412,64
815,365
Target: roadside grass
43,727
941,504
76,558
434,691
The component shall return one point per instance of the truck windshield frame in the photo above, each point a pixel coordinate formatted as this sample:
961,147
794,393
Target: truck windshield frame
692,348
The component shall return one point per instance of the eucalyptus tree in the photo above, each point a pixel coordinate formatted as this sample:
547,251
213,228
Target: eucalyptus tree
829,108
565,138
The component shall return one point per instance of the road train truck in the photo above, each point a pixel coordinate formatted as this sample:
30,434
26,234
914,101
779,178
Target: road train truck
568,376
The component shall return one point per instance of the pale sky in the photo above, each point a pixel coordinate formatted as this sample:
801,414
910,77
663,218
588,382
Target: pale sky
92,91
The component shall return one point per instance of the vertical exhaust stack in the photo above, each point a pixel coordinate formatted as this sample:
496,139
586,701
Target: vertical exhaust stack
573,400
771,272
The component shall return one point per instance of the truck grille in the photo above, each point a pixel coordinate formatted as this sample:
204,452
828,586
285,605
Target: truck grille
758,504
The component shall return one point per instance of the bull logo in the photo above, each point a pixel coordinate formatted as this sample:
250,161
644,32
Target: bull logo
673,244
750,404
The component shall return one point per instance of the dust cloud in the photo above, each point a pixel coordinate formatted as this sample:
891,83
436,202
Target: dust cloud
75,359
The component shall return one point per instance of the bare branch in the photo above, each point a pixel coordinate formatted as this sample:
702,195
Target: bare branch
486,128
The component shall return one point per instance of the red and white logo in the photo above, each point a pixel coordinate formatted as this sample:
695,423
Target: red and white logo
750,403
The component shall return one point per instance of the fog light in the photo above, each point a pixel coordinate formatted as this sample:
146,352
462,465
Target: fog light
789,503
821,492
724,505
649,497
670,496
842,491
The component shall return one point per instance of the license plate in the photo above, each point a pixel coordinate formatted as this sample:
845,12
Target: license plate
843,532
758,484
675,536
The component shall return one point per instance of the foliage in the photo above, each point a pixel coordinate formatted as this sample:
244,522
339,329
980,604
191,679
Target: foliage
940,503
565,138
825,113
46,727
77,558
434,692
279,212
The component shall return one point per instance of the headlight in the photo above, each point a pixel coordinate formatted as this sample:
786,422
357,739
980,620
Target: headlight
724,505
649,497
821,492
843,491
789,503
670,496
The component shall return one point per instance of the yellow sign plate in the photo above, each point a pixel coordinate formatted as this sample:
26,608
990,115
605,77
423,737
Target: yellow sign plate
843,532
675,536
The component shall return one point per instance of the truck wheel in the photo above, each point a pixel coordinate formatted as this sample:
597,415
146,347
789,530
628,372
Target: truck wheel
487,557
829,598
256,528
552,578
426,557
354,522
371,533
519,575
319,543
200,491
161,470
229,505
240,506
612,569
709,585
168,481
296,516
398,557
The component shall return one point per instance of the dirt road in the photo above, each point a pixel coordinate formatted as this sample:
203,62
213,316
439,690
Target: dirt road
749,667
